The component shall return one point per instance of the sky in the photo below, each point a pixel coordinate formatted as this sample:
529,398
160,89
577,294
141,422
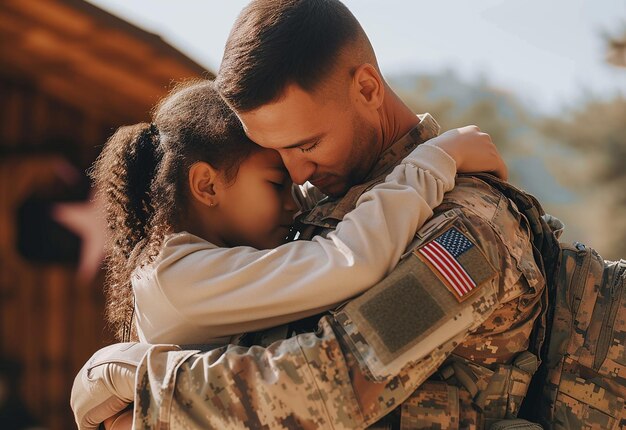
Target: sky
550,53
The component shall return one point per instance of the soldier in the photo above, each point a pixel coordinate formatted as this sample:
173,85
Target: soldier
450,339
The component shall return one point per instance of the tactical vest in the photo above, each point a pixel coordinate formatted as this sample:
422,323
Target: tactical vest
582,381
584,369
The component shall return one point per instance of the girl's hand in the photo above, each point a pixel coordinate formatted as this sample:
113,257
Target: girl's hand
105,386
472,150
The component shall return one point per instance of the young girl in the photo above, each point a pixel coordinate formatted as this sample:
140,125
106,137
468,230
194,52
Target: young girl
199,215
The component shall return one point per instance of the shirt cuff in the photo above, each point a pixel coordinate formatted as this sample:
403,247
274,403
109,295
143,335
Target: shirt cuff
435,160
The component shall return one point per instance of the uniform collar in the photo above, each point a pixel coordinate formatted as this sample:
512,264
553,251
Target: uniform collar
426,129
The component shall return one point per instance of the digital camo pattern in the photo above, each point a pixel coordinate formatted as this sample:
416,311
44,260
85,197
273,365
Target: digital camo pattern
321,380
586,361
502,325
296,383
433,404
486,400
305,382
385,333
505,236
507,242
155,382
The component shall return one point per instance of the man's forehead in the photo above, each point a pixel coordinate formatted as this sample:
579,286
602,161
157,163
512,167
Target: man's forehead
289,134
282,138
297,116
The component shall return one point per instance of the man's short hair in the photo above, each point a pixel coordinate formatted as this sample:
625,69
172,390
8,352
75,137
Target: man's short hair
278,42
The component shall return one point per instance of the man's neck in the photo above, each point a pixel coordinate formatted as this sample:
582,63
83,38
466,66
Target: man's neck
396,118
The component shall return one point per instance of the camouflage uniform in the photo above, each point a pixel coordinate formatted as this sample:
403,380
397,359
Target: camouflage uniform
373,355
584,371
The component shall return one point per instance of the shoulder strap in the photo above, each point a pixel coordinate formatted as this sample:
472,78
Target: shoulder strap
544,239
548,255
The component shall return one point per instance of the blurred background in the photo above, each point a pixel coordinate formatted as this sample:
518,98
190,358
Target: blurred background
547,80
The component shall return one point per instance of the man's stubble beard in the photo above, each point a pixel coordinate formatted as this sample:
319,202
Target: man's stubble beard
365,152
362,157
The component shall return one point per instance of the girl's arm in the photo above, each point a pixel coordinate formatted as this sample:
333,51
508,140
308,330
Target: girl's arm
121,421
208,292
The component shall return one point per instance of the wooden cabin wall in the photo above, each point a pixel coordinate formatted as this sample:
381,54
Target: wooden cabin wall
49,322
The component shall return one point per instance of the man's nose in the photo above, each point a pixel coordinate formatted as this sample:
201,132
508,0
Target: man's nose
299,169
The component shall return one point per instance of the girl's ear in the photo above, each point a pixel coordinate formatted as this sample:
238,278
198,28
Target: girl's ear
202,180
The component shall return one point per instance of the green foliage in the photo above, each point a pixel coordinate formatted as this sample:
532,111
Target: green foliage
583,150
454,103
597,129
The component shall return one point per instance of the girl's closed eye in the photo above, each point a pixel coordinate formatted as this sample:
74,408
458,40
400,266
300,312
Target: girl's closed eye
279,179
278,185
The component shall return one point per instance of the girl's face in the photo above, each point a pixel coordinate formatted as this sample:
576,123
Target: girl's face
256,208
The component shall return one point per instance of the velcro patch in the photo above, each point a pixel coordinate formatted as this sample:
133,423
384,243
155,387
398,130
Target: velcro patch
382,308
457,261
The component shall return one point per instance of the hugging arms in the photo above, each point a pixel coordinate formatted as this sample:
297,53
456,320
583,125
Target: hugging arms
470,297
186,264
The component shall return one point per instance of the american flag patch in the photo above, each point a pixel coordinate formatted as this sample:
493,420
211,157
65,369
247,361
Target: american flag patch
445,254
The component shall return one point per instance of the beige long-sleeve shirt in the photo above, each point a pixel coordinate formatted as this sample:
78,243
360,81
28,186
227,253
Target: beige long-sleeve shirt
196,292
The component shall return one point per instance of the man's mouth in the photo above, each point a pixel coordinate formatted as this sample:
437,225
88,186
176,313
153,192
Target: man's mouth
321,181
330,185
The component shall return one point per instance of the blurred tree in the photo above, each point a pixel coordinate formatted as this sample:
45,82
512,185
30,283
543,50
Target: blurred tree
416,94
597,130
584,150
616,54
455,103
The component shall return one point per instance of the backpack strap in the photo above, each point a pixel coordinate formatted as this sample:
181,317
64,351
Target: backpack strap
544,235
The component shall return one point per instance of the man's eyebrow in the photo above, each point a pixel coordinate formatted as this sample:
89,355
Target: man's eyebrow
306,141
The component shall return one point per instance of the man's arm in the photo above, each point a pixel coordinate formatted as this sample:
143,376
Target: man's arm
308,381
351,372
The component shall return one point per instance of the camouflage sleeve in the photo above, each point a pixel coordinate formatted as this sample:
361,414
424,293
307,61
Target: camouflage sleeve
364,360
307,381
445,287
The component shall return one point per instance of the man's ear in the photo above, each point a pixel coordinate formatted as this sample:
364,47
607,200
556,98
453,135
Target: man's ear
369,85
202,180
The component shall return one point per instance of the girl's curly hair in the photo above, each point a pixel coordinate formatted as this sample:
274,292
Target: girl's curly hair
141,175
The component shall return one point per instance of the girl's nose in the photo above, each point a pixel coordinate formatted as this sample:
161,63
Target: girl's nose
289,204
